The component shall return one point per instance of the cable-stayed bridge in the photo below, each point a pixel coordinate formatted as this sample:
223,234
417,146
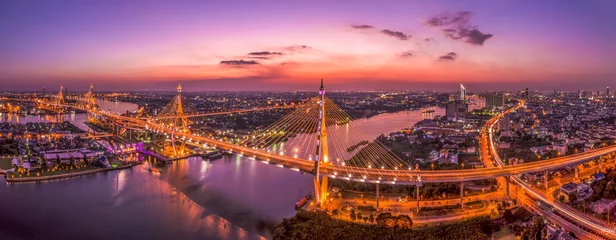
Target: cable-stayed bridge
318,138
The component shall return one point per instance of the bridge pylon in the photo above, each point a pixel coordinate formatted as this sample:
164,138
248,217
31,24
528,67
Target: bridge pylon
321,185
60,100
90,102
179,123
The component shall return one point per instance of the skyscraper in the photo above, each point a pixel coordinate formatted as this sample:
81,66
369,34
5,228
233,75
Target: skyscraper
457,110
607,91
495,100
462,93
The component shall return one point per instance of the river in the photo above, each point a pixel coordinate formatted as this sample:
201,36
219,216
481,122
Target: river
230,198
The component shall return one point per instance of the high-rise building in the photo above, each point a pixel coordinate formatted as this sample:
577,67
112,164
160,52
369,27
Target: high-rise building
607,91
495,100
504,124
456,110
462,93
475,102
526,93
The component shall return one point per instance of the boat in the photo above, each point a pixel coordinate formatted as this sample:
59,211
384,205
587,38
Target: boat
154,170
213,155
299,204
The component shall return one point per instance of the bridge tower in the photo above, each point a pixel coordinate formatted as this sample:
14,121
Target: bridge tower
320,185
179,123
90,102
60,99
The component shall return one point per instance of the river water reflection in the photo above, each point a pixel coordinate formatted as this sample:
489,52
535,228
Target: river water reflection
230,198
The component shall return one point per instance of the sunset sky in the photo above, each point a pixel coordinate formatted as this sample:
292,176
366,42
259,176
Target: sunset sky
290,45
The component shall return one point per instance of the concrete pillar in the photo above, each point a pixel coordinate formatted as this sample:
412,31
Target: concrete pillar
417,192
507,185
317,190
545,179
324,189
600,164
462,194
377,196
575,166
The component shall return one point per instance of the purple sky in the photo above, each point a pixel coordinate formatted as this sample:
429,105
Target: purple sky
290,45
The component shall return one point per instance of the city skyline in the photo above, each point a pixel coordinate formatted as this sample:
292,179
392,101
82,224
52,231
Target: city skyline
279,46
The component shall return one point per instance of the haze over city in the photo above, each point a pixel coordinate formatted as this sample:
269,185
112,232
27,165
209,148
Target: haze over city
286,45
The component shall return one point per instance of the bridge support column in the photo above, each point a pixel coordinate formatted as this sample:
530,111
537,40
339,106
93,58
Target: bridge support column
507,185
545,179
324,189
462,194
417,191
577,174
377,196
600,164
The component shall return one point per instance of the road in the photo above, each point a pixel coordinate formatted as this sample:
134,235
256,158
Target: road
585,226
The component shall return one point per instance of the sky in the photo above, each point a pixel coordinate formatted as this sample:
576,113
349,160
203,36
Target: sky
291,45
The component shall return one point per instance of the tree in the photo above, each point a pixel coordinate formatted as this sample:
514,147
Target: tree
335,212
499,208
359,216
509,215
371,218
353,216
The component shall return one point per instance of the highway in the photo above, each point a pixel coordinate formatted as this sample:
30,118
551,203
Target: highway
585,226
362,174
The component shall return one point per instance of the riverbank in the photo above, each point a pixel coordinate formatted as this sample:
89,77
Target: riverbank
67,175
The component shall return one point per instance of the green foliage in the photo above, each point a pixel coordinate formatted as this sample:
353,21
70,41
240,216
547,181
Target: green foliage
534,230
440,208
368,208
319,226
388,220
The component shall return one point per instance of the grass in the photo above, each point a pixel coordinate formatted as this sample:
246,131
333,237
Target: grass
6,163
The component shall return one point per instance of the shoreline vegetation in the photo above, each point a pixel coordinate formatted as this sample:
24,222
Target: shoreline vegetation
319,225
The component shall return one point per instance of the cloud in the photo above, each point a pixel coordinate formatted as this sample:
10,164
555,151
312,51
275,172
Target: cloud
362,26
406,54
264,58
298,48
430,39
476,37
240,62
395,34
264,53
449,56
457,26
446,19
